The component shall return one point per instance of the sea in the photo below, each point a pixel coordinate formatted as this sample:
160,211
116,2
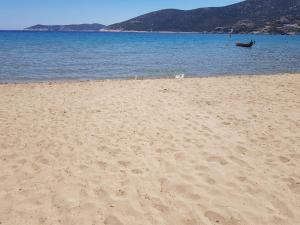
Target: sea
45,56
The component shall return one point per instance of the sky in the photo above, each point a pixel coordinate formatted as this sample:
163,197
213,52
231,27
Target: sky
18,14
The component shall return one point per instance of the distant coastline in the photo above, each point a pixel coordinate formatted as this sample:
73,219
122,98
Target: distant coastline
145,31
194,32
246,17
71,28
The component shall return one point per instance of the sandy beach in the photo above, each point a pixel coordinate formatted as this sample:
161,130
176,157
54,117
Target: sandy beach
196,151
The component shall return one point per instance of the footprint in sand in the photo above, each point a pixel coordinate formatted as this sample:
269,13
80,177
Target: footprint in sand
210,180
240,162
281,207
112,220
293,185
124,163
42,160
284,159
216,218
241,150
120,193
102,165
218,159
137,171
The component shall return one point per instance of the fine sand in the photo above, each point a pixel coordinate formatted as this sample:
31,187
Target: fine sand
204,151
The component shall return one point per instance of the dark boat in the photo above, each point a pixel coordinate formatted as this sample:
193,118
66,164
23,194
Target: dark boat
245,45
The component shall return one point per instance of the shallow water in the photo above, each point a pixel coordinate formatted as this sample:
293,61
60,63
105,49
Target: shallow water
29,56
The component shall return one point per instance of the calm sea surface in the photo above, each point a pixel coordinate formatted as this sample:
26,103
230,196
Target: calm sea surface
35,56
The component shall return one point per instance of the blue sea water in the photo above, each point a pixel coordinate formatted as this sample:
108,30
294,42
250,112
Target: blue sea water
38,56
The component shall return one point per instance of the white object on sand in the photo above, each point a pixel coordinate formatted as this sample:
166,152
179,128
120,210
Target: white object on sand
179,76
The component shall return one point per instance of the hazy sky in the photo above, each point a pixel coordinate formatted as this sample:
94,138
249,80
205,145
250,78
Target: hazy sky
17,14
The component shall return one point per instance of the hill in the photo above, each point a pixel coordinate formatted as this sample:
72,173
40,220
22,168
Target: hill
73,27
250,16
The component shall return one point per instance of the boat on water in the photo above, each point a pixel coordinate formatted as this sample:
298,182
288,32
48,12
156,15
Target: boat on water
245,45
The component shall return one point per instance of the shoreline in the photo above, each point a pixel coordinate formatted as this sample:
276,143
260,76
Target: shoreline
155,32
130,78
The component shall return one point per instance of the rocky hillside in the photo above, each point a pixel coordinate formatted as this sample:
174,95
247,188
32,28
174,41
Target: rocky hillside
250,16
74,27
